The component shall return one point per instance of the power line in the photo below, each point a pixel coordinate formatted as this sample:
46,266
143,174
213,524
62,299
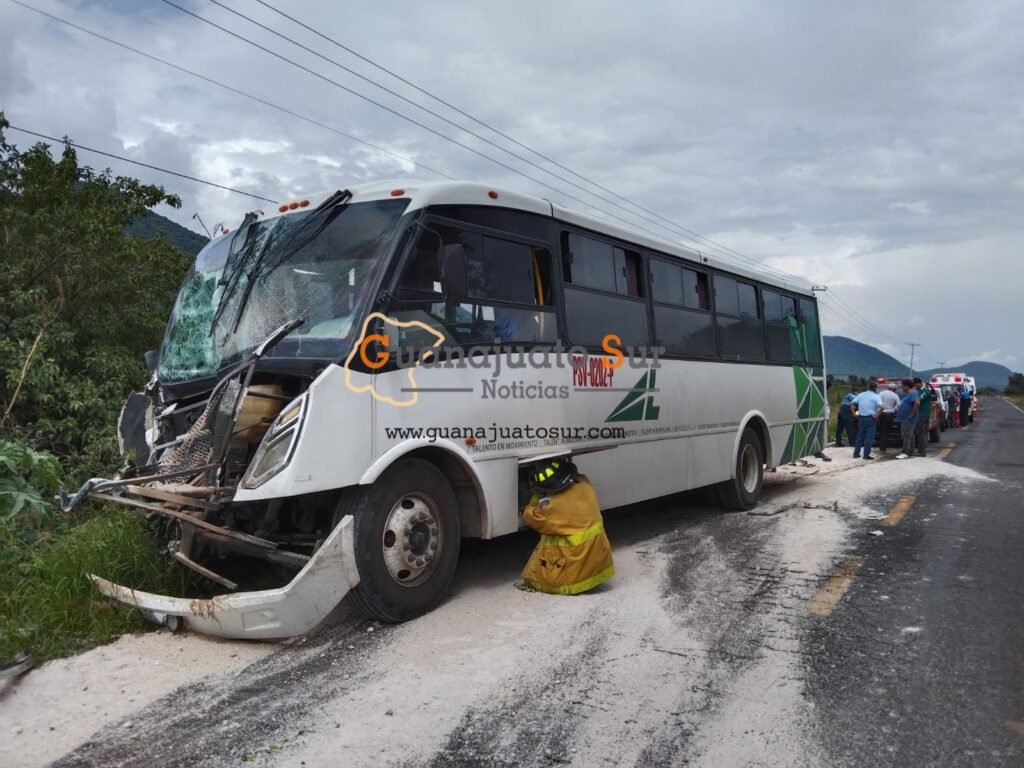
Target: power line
871,326
429,94
672,226
232,89
756,264
434,131
138,162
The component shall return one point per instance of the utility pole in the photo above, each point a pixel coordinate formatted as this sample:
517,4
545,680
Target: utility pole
913,345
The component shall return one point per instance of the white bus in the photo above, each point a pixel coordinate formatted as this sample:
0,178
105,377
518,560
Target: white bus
450,333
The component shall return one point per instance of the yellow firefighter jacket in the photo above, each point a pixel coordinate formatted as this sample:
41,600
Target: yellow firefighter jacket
574,553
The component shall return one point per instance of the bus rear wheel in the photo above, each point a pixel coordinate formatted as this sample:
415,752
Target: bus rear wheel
406,530
744,490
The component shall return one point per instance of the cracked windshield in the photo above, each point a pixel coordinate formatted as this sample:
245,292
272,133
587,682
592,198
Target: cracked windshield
245,284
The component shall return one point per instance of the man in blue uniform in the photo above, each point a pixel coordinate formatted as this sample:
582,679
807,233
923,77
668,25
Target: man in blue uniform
845,421
867,408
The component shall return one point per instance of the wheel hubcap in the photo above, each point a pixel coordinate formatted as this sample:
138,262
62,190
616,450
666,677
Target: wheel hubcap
412,539
748,468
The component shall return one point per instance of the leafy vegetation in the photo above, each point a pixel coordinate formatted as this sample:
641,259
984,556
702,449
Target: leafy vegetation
1015,389
1015,385
82,300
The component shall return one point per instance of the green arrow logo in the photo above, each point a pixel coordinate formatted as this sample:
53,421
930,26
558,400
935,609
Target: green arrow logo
638,405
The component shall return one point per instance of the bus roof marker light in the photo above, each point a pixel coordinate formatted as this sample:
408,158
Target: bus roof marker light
283,207
397,192
303,203
471,441
492,194
292,206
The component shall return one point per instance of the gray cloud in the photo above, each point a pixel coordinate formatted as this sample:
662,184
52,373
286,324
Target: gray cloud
876,147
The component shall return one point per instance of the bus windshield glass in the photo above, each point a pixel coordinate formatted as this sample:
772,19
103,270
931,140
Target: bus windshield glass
270,272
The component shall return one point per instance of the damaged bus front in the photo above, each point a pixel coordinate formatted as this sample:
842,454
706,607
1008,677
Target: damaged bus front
214,445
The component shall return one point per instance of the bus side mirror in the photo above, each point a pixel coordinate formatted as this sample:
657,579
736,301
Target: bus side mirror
152,358
453,266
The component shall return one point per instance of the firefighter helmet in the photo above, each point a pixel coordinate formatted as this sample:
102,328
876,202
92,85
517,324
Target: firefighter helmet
552,476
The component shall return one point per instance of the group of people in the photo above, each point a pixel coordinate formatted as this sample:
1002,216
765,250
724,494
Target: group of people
861,414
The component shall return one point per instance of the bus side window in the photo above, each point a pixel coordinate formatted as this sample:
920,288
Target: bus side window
421,278
682,318
783,328
509,295
604,292
810,331
740,331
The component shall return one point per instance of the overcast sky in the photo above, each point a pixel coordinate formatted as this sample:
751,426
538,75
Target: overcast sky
874,147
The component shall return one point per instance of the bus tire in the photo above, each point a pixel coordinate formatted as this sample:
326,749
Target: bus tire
406,531
744,491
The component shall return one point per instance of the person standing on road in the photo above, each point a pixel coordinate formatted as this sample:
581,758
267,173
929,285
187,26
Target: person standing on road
906,417
890,402
965,406
845,421
924,415
867,407
954,407
574,554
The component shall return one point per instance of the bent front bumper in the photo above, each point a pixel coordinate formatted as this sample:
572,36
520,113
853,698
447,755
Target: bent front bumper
270,614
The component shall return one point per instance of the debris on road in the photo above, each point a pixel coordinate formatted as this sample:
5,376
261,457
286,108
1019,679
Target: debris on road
20,664
833,507
770,511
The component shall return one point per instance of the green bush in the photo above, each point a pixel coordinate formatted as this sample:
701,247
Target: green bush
80,301
1015,386
47,604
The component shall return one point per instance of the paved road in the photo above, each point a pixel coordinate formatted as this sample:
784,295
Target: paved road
791,639
923,665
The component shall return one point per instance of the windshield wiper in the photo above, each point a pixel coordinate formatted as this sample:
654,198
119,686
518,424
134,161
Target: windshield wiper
235,265
311,228
304,233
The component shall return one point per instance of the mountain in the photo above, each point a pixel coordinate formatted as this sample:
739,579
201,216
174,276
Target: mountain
154,224
845,357
985,374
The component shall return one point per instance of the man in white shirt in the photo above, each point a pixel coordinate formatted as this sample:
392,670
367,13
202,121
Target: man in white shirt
867,407
890,402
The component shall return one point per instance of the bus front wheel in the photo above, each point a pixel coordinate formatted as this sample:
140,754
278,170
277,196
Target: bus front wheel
744,490
406,528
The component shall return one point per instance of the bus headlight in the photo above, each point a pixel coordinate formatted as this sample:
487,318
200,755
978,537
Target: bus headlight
278,446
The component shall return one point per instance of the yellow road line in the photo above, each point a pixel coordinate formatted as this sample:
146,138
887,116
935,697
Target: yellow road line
899,509
828,597
944,453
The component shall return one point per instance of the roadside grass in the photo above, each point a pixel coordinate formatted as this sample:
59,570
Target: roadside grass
48,605
1017,400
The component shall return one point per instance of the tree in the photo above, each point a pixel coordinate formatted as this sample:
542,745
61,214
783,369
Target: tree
81,301
1016,384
